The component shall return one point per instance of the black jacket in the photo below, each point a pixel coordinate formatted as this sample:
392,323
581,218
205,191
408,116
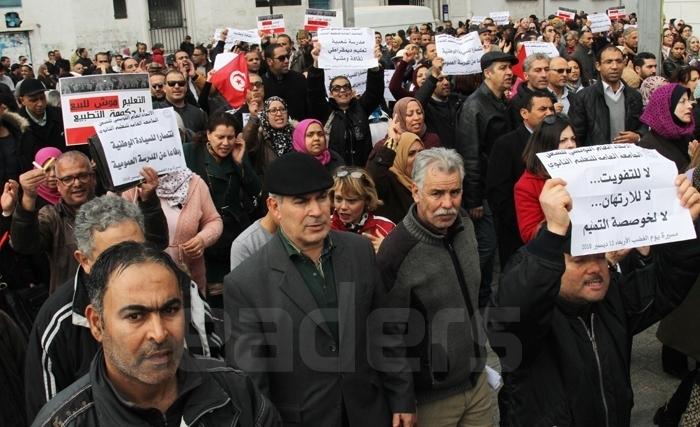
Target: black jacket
569,365
50,135
61,346
22,156
440,117
590,116
209,394
292,88
482,119
348,131
674,150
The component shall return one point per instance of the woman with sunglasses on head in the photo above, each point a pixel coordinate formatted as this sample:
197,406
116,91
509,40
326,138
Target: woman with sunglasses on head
392,169
222,162
669,116
268,133
345,115
355,199
310,138
555,133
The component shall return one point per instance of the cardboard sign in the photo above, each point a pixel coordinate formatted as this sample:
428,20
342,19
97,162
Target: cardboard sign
89,100
271,24
346,48
500,18
566,14
600,22
462,55
617,13
320,18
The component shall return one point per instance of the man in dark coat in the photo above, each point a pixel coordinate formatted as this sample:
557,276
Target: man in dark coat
585,56
505,168
298,311
576,319
440,104
287,84
609,110
45,121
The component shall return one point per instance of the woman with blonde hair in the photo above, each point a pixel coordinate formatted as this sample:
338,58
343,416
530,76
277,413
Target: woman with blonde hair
355,199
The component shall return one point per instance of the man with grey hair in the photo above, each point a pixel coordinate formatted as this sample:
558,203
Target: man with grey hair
630,41
443,323
60,344
536,69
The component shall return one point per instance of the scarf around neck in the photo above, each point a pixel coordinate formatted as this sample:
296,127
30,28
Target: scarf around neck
281,139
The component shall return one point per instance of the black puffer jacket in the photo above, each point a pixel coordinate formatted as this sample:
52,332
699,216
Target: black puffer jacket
348,130
569,365
481,120
590,116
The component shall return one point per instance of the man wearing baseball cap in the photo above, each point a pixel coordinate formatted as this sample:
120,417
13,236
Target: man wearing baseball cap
483,118
45,121
298,309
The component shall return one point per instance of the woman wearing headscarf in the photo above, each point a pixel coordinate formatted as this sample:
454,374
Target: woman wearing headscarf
310,138
268,135
649,85
391,169
47,191
669,116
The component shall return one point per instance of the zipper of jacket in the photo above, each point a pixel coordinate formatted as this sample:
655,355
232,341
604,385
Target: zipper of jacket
212,408
591,337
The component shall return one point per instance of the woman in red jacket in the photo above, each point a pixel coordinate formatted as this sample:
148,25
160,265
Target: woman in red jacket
555,133
354,199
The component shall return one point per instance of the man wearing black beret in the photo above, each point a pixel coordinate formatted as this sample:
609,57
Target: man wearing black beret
298,309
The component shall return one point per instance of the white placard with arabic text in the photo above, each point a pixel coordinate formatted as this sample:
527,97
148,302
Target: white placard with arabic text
600,22
132,142
623,197
500,18
346,48
462,55
533,47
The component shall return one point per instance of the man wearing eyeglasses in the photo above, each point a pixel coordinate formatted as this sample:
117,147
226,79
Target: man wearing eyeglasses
558,77
50,229
287,84
157,82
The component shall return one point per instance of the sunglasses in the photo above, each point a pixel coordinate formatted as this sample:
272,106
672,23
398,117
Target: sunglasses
256,85
180,83
353,174
282,58
157,86
339,88
561,70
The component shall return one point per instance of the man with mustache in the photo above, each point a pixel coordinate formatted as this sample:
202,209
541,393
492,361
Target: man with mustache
565,323
430,265
143,374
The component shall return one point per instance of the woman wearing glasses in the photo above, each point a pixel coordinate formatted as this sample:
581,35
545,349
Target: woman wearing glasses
310,138
555,133
268,134
355,199
221,161
345,116
392,169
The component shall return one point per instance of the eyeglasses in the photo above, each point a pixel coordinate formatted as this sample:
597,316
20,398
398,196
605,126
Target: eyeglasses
180,83
256,85
157,86
340,88
353,174
83,177
561,70
279,110
282,58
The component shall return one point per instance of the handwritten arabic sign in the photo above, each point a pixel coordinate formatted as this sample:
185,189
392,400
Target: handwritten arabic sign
623,197
88,100
358,79
346,48
500,18
132,142
320,18
271,24
600,22
462,55
234,36
477,19
532,47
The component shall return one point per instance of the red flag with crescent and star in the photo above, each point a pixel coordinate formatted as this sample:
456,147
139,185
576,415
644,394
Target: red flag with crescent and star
231,81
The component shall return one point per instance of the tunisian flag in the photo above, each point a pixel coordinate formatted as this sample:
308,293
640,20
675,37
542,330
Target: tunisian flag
231,81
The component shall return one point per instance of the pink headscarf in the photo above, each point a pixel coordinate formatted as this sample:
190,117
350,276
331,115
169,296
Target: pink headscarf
299,140
659,113
51,195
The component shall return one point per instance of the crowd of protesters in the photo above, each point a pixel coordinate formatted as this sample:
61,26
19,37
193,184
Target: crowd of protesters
329,258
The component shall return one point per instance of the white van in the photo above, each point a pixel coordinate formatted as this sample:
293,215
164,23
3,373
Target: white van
390,19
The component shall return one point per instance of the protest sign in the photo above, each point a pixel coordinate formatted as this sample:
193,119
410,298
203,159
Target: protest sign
476,20
566,14
88,100
500,18
600,22
388,96
617,13
235,36
126,144
320,18
357,78
271,24
623,196
462,55
529,48
346,48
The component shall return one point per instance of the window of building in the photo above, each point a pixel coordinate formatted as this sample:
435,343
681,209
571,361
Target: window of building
319,4
10,3
119,9
266,3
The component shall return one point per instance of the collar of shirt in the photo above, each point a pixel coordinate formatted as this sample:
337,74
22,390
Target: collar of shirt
608,91
294,252
40,121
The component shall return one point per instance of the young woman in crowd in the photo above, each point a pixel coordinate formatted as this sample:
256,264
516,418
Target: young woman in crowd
575,83
355,199
669,116
47,192
555,133
666,43
310,138
693,50
676,58
687,77
391,169
222,162
268,134
410,117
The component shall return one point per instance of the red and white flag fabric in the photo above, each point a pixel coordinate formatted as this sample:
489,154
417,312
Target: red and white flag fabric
231,81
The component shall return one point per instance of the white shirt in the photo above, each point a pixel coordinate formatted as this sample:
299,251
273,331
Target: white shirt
608,91
564,99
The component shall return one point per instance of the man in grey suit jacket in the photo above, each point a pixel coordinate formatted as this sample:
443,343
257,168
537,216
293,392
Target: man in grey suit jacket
298,313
